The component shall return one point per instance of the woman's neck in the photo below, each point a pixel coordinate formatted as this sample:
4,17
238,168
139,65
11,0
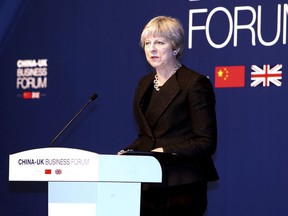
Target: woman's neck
165,73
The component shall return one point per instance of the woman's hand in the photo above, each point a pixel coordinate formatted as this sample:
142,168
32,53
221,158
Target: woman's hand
158,150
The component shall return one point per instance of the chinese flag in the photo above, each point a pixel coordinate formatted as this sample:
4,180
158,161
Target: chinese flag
27,95
48,171
229,76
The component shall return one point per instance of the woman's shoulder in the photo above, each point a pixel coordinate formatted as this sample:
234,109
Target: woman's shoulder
190,77
188,74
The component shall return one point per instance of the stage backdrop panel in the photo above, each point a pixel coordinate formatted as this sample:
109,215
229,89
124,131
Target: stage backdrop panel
55,55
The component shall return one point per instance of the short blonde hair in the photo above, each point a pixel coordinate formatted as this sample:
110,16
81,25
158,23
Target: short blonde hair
168,27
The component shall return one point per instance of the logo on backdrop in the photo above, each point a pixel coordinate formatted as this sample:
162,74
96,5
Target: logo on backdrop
31,78
234,76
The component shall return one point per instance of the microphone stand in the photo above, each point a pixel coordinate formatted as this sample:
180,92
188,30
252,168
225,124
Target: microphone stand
93,97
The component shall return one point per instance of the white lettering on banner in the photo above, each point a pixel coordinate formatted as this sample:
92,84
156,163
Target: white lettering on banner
32,63
248,26
31,74
31,82
235,26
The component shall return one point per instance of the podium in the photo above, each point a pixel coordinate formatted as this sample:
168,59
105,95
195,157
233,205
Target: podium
86,183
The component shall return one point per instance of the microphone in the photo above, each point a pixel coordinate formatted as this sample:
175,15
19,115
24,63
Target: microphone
92,98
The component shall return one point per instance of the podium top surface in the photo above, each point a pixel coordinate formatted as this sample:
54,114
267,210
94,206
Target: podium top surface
68,164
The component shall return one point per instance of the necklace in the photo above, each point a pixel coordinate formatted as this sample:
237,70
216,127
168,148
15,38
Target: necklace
156,80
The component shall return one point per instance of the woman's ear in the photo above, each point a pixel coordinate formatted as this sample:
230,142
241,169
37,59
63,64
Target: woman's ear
175,52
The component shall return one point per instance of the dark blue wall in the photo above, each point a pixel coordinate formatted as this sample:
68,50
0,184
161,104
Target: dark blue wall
93,46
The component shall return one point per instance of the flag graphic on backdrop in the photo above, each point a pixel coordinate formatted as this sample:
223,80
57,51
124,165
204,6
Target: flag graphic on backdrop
266,75
31,95
27,95
229,76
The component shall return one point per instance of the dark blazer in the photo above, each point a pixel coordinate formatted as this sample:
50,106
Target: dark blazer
181,119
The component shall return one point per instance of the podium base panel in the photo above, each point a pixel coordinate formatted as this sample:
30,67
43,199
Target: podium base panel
93,198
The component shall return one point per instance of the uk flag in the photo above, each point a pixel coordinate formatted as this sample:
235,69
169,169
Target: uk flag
266,75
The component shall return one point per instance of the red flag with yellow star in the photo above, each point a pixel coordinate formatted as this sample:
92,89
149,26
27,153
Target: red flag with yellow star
229,76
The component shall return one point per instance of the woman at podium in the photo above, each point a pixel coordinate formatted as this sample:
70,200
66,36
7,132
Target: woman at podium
175,110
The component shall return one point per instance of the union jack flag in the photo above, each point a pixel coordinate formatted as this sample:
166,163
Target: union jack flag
266,75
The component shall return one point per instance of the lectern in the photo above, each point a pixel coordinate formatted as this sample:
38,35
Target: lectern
86,183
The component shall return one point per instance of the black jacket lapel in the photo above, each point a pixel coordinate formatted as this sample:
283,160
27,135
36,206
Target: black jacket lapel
165,96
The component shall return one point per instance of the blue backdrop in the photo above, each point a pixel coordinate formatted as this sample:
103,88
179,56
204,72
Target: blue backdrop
55,54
